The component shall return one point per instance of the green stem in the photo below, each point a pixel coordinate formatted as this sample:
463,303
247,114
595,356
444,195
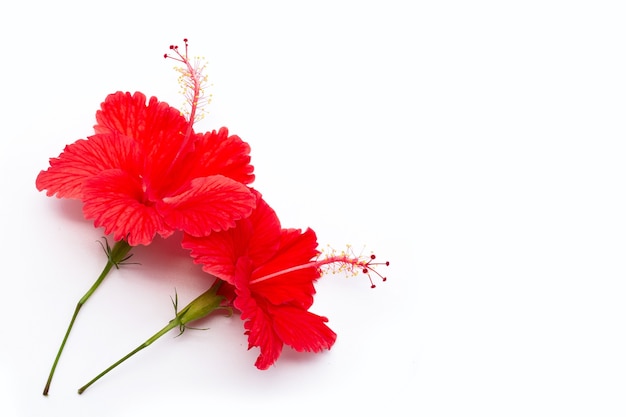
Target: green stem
170,326
202,306
116,255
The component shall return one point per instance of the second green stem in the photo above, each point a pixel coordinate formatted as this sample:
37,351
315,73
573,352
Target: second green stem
202,306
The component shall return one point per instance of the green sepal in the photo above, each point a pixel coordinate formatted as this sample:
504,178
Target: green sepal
205,304
118,254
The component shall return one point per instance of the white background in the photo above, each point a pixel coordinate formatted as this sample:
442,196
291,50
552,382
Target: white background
478,146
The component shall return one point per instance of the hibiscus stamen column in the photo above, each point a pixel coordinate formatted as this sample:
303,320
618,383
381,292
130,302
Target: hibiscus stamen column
193,84
334,263
115,257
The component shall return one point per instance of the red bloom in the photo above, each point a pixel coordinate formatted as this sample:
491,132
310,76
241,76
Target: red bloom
273,275
146,171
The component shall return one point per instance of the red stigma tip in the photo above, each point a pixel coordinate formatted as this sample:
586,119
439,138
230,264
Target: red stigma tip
387,263
185,40
164,55
373,286
372,256
365,270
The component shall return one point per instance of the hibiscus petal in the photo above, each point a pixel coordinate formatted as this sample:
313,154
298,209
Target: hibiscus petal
264,238
261,335
151,124
296,248
158,129
217,153
257,323
301,329
270,326
294,287
257,237
217,253
84,159
123,113
114,200
207,204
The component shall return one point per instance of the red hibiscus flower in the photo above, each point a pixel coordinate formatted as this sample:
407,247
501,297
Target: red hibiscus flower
146,171
273,291
267,273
